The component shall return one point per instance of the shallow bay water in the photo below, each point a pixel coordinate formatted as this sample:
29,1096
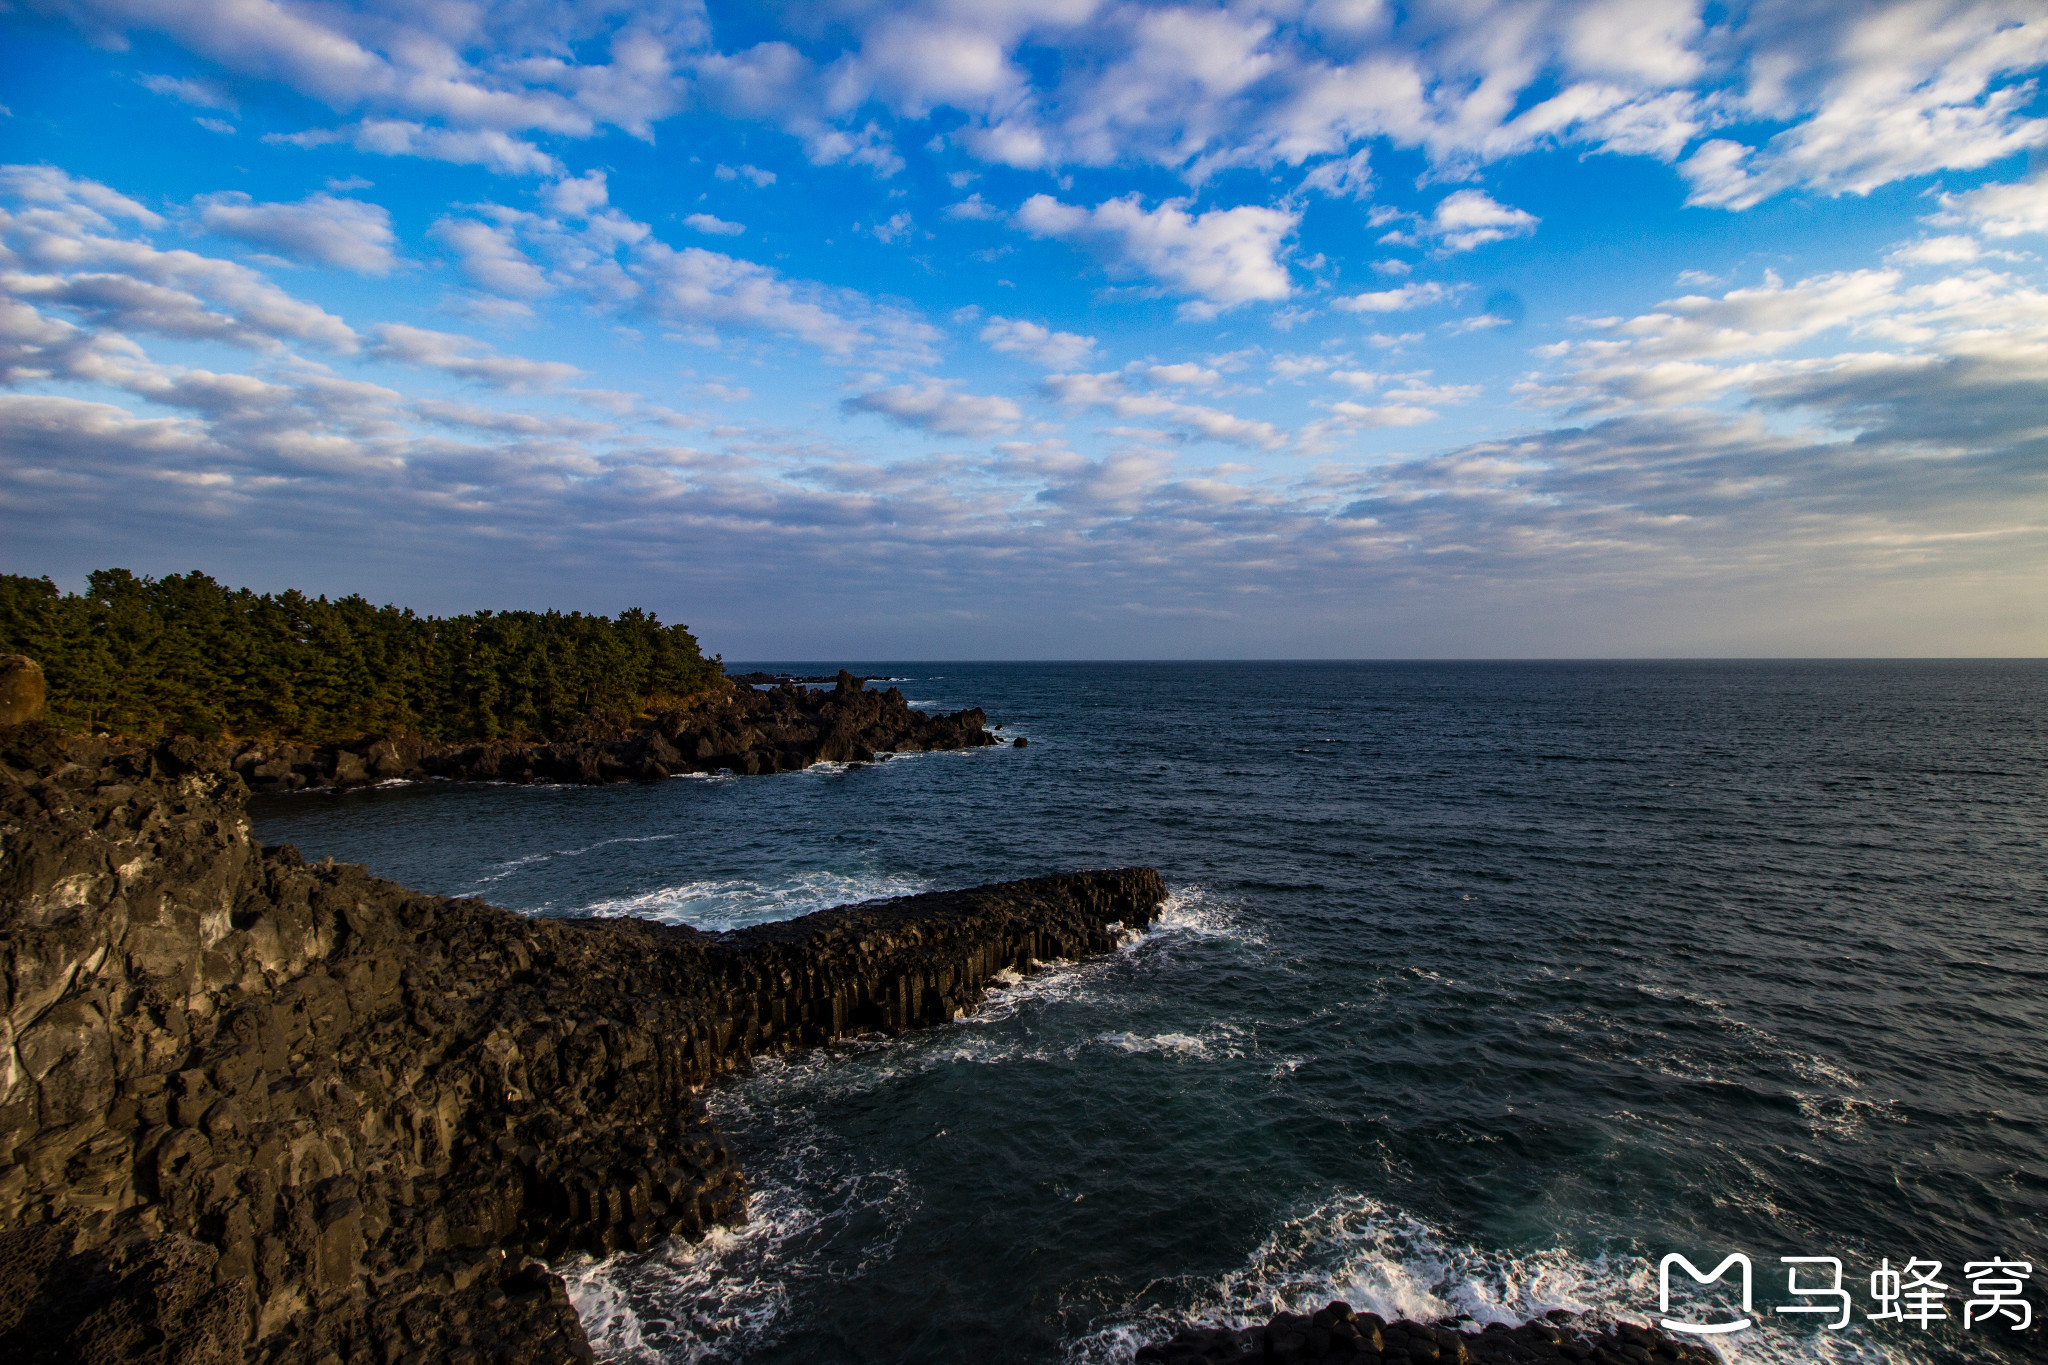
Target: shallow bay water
1483,987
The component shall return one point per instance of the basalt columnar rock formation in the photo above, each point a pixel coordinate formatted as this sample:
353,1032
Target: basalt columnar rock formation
736,729
255,1110
1336,1333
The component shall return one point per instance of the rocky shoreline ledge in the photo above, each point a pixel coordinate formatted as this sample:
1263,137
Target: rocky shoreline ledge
255,1110
737,729
1336,1333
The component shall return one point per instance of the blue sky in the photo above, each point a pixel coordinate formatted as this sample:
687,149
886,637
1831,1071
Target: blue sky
1065,329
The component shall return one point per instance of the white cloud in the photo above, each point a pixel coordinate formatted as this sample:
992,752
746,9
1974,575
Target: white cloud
1369,416
1397,400
1398,300
201,93
489,257
1875,94
63,255
581,196
467,358
1347,177
1821,343
85,205
1293,368
1186,374
1761,320
1109,391
867,146
512,423
1038,344
498,70
618,264
761,179
932,406
706,289
716,227
898,228
320,229
486,147
2014,210
1471,218
974,208
1937,251
1859,92
1224,257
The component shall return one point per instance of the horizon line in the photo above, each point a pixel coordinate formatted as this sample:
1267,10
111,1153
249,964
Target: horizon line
1431,659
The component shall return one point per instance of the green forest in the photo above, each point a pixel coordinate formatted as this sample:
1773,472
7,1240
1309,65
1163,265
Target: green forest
148,657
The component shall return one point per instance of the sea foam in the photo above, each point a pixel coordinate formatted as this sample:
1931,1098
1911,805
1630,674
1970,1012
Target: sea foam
1384,1260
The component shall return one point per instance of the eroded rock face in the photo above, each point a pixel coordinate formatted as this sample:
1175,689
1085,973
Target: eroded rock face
739,730
252,1109
21,689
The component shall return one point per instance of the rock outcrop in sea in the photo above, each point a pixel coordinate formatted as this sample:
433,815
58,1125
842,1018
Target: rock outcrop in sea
737,729
253,1109
1337,1334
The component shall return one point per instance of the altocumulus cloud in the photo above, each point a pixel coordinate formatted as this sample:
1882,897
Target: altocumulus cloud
1224,257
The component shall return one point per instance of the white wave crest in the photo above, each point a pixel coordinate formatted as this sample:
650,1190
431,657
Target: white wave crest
727,1296
1195,914
500,871
1386,1261
735,902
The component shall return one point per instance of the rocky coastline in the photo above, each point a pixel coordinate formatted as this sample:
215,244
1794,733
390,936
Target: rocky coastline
255,1110
258,1110
1337,1333
737,728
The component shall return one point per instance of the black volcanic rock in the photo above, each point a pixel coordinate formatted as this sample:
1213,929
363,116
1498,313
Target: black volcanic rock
1335,1333
736,729
255,1110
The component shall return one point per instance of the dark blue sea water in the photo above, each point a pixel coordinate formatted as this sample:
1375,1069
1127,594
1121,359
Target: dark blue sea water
1483,987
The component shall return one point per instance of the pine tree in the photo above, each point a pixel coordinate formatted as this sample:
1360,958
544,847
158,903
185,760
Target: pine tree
183,655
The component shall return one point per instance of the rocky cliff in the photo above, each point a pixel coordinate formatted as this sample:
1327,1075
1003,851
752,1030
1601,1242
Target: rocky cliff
255,1110
738,728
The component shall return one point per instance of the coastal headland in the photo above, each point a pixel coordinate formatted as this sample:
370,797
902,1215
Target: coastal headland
737,729
255,1109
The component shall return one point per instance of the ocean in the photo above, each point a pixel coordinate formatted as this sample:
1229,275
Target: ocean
1483,987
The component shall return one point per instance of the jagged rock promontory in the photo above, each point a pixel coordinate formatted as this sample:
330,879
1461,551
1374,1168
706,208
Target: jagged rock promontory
256,1110
737,728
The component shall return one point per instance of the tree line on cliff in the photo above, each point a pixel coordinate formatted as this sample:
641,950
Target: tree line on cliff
182,654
